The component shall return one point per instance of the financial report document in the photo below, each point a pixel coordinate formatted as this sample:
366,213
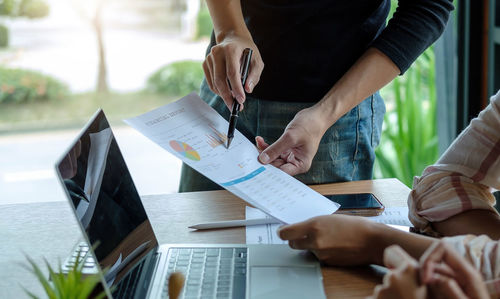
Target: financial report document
194,132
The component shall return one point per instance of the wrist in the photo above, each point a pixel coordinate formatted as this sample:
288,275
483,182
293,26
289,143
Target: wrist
325,115
231,34
377,240
331,107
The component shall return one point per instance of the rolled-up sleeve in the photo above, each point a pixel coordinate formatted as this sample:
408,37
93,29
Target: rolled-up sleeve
464,177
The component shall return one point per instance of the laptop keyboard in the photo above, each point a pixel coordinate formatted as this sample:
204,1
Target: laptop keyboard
79,252
209,272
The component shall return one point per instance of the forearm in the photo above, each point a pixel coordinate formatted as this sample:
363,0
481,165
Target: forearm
372,71
453,195
382,236
475,222
227,18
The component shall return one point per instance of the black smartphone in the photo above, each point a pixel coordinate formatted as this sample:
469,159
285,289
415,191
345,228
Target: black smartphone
361,204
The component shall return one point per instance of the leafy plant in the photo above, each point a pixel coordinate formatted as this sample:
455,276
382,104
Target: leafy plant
409,140
176,79
66,285
23,86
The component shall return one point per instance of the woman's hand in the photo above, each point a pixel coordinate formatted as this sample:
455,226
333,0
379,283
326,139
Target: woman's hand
334,239
402,279
222,68
449,275
441,273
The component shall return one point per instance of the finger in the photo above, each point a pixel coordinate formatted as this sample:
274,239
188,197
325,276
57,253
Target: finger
294,231
274,150
233,63
386,280
444,269
466,276
256,67
444,287
208,74
220,80
210,64
290,168
304,243
440,252
428,260
284,155
395,256
261,144
278,163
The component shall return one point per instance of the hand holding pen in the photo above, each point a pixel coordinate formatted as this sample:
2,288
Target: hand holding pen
245,66
222,68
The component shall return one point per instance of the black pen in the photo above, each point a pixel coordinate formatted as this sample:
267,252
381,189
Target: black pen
245,66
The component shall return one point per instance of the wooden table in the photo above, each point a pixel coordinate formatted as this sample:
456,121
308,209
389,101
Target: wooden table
49,230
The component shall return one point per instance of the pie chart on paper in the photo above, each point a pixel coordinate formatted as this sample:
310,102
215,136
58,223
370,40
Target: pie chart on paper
184,150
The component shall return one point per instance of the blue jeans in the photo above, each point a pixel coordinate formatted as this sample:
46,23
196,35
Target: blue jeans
346,151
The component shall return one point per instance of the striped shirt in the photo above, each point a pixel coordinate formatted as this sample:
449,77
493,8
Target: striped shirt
463,179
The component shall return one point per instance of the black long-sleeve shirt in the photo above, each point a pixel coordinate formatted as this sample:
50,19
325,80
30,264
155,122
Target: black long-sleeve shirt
308,45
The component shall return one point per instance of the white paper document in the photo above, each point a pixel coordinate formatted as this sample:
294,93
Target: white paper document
194,132
264,233
393,215
267,233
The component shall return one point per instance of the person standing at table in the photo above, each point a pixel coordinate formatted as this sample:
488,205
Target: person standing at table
316,99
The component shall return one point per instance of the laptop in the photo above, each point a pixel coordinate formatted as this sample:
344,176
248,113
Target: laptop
125,252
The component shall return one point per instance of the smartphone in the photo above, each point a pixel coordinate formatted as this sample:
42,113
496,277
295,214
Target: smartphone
360,204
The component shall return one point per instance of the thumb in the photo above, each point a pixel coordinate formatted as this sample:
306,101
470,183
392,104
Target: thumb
274,151
261,144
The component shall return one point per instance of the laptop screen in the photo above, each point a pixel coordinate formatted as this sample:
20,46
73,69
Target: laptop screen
105,200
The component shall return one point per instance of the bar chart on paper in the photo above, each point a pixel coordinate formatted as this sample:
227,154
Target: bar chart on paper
216,138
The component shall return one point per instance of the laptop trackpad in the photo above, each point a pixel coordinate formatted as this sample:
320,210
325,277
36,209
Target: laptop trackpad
285,282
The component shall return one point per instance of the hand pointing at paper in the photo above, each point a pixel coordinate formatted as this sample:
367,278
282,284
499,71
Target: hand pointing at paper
294,151
355,119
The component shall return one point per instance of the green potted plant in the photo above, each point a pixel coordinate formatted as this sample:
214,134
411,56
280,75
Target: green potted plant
70,284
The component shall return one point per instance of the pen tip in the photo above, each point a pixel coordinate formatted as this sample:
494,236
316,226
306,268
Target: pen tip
229,142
